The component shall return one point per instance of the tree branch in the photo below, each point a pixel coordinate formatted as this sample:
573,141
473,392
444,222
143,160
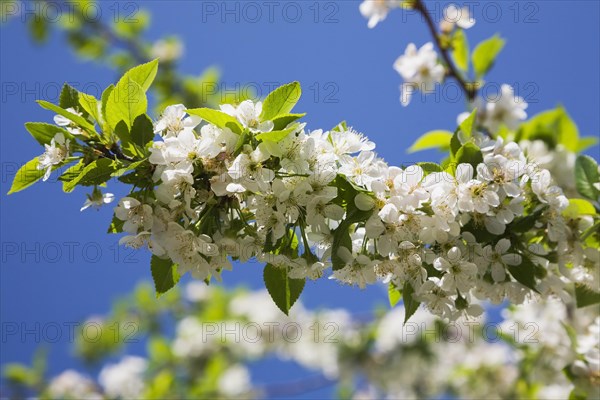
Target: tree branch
452,72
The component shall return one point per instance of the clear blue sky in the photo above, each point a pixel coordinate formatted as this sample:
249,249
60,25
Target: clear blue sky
58,265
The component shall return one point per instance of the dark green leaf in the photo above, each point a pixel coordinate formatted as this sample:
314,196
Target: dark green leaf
524,273
69,97
430,167
586,175
469,153
142,131
411,305
586,296
164,274
283,290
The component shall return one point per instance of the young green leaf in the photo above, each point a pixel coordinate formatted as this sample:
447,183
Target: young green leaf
164,274
394,294
44,133
283,290
78,120
281,122
91,105
126,102
143,74
585,143
218,118
277,136
280,101
433,139
468,125
26,176
485,54
94,173
105,96
577,208
461,50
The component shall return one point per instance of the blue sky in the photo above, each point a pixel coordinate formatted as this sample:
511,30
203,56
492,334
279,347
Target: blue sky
58,265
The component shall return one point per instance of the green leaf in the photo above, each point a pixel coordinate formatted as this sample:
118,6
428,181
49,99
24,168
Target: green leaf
524,273
142,131
577,208
430,167
218,118
71,173
341,235
394,295
105,97
485,54
44,133
164,274
116,225
277,136
282,122
341,127
568,133
525,224
585,143
78,120
94,173
461,50
586,175
553,127
125,103
468,125
90,104
586,296
280,101
455,144
469,153
283,290
438,139
69,97
143,74
26,176
411,305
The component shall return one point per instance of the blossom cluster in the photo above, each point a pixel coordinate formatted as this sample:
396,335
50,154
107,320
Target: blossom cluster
444,233
470,359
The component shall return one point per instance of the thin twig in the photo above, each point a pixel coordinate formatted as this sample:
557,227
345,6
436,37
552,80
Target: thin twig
470,91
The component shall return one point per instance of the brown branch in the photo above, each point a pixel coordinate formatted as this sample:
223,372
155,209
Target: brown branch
470,91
